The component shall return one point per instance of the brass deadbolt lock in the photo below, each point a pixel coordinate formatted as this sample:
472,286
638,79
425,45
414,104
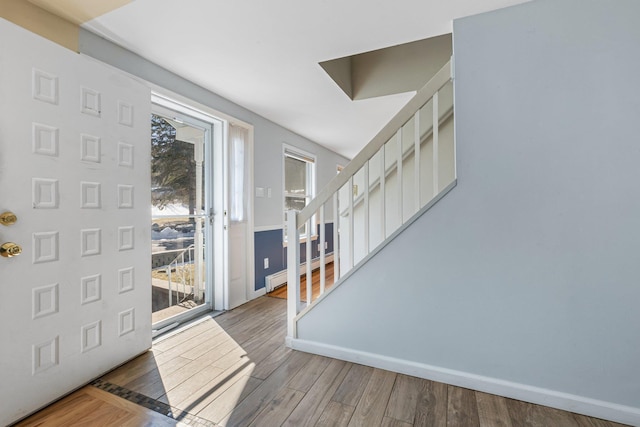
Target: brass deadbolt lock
10,249
8,218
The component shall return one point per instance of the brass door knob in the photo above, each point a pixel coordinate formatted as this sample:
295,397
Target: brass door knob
10,249
8,218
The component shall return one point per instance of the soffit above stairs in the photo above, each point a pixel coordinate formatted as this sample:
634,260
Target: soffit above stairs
396,69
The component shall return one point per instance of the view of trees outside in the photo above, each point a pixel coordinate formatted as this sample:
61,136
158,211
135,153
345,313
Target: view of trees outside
173,229
173,177
173,187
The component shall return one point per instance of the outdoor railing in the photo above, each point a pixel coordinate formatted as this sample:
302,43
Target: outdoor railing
181,271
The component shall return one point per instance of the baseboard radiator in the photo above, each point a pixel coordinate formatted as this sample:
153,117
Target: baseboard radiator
278,279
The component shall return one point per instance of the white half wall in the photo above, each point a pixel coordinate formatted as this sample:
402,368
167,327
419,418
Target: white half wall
527,272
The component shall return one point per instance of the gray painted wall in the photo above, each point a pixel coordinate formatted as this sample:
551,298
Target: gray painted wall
268,136
528,271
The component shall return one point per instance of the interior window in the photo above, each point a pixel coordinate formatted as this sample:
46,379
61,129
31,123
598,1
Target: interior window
299,180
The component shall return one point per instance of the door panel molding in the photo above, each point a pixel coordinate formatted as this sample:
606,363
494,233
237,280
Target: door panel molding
76,302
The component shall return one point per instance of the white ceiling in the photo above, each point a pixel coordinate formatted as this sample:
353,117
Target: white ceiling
264,54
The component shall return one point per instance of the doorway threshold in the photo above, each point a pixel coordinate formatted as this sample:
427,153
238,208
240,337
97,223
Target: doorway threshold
171,329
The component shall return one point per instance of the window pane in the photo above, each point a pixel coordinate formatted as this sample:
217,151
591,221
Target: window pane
168,234
295,176
295,203
239,176
173,167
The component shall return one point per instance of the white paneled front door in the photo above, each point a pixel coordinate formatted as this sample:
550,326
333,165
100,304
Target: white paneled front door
74,169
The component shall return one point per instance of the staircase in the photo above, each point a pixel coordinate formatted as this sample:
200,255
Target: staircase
405,169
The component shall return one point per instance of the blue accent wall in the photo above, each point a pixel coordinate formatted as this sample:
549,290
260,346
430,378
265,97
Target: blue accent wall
268,244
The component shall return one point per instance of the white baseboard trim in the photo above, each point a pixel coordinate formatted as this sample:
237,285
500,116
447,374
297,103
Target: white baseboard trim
540,396
259,228
274,280
255,294
288,341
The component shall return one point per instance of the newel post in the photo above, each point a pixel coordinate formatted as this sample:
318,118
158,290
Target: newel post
293,271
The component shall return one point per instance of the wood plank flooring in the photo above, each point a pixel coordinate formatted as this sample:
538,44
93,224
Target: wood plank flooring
281,292
91,406
234,370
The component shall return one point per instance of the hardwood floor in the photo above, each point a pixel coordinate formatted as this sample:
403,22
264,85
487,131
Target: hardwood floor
281,292
234,370
91,406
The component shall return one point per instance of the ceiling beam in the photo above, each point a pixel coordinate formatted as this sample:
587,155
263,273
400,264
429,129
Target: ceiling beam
41,22
79,11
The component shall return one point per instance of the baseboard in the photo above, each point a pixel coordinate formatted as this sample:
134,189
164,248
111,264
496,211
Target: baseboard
255,294
540,396
274,280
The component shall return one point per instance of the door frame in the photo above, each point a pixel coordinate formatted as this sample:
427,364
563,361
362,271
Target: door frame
213,133
219,174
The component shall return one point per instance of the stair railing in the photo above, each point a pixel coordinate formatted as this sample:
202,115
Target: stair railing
411,140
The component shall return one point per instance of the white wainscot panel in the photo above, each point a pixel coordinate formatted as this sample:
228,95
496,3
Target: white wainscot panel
90,195
45,300
125,196
126,280
45,86
125,155
125,114
91,336
45,247
90,289
90,148
126,321
125,238
90,102
45,355
45,139
44,193
90,243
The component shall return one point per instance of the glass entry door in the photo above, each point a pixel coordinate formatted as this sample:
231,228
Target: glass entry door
180,204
